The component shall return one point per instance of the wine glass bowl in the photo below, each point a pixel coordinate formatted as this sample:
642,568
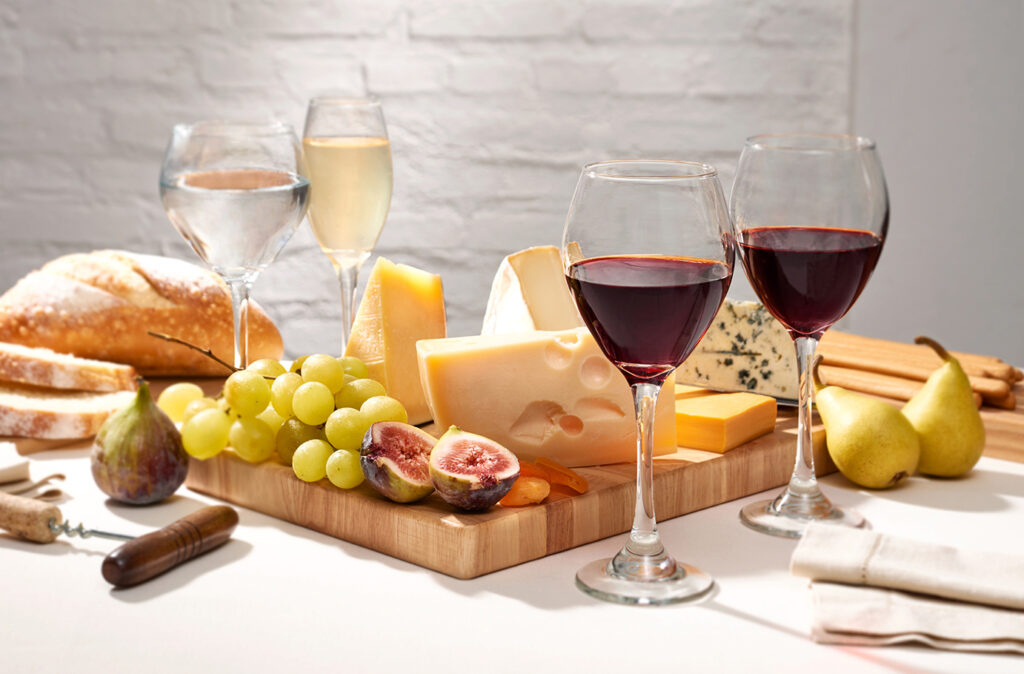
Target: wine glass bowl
236,192
810,214
348,155
648,256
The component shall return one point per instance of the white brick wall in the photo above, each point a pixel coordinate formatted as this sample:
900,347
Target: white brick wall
492,107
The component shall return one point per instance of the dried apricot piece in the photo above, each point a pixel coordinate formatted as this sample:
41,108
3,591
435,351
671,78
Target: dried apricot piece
527,469
559,474
526,491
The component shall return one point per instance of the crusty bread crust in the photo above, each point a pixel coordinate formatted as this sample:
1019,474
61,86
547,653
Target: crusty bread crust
100,305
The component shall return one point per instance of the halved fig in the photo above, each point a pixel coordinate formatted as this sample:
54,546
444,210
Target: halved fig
394,460
470,471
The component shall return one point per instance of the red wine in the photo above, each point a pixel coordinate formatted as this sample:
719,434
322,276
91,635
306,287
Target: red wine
648,312
808,277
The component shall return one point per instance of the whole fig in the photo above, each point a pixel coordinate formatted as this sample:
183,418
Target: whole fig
138,457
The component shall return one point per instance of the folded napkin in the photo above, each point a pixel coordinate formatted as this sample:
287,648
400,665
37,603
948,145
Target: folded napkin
13,468
919,592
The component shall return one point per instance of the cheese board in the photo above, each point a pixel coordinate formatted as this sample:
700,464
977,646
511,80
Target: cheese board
432,534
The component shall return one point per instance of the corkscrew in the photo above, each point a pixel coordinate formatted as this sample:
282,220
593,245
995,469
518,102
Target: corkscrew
139,559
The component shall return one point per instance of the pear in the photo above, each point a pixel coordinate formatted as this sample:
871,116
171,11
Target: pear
946,419
869,440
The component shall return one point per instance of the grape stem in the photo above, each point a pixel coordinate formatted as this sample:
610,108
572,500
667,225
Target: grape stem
205,352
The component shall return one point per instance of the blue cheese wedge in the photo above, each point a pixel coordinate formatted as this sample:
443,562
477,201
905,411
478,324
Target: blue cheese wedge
745,349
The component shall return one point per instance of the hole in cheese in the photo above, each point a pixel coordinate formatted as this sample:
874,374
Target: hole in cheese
557,354
571,424
595,372
537,422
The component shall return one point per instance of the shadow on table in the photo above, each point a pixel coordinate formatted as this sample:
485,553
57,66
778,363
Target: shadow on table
156,515
57,547
978,491
180,576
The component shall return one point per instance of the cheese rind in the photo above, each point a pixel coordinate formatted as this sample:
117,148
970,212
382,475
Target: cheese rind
745,349
529,293
401,305
540,394
724,421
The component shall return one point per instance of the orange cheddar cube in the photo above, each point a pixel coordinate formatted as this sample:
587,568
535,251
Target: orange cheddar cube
687,391
718,423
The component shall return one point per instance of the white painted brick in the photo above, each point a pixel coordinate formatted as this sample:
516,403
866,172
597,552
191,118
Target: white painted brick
317,17
704,21
131,18
309,70
408,74
572,76
238,66
490,76
804,21
496,19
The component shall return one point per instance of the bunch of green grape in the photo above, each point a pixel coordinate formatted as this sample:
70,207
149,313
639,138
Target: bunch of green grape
313,416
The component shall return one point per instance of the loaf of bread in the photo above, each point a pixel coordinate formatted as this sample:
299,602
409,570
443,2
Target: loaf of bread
101,305
26,411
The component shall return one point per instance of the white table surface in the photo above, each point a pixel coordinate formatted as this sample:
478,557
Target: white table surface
278,597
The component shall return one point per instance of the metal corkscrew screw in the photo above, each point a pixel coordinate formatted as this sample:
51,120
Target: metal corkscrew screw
66,529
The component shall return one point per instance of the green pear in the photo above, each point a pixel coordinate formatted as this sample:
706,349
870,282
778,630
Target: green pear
869,440
944,415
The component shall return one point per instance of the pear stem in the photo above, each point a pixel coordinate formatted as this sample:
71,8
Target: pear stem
815,377
938,348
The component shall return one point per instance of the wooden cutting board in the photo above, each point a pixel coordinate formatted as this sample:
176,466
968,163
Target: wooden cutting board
465,545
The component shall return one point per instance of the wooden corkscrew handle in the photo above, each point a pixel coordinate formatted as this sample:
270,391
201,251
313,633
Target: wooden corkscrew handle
150,555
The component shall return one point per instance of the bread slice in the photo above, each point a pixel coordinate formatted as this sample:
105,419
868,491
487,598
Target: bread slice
32,412
43,367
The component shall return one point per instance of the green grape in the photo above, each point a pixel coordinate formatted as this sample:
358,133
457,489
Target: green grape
281,392
197,406
312,403
346,427
343,469
296,365
354,367
324,369
268,367
355,393
310,460
206,434
292,434
271,418
252,439
383,408
176,397
247,393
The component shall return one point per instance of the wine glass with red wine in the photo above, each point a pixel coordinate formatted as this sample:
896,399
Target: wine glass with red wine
810,216
648,255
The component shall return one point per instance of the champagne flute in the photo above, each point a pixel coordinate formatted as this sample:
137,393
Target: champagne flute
236,191
648,256
811,213
349,159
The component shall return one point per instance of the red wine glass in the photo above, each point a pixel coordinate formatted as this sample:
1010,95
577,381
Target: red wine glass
810,216
648,255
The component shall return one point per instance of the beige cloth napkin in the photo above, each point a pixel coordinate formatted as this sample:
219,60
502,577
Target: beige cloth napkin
919,592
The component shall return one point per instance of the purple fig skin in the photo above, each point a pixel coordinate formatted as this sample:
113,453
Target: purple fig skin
393,457
497,472
138,457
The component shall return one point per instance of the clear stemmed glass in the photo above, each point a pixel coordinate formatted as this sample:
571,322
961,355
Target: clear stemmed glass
236,191
810,215
648,255
349,159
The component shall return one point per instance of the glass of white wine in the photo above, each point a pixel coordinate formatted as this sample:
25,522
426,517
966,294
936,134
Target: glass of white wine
348,156
236,191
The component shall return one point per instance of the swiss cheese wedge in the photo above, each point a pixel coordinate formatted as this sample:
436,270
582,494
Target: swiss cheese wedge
541,394
401,305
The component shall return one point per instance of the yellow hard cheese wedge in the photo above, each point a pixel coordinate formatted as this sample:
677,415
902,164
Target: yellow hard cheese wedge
721,421
541,394
401,305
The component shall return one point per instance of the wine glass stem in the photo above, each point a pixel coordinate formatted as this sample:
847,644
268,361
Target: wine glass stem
240,290
802,497
644,557
348,279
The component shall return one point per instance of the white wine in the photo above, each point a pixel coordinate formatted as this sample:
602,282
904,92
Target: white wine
350,193
236,220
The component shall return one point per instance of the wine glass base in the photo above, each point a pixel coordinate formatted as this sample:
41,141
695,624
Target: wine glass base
686,584
762,516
